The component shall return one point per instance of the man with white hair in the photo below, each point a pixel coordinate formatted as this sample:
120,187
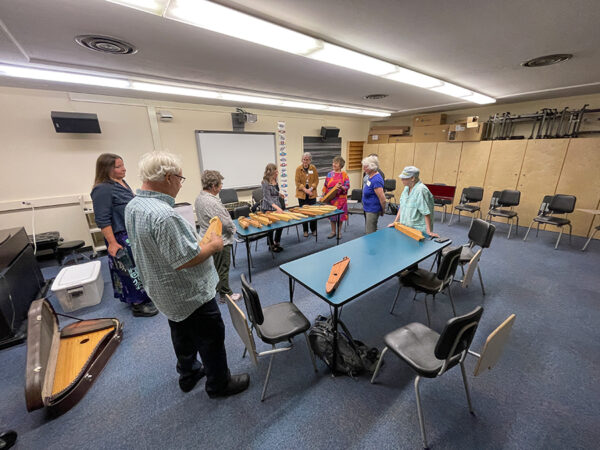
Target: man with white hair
179,277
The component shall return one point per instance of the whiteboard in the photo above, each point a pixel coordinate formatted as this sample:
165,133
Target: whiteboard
240,157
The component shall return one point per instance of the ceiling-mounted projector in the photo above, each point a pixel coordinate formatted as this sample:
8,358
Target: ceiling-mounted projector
240,118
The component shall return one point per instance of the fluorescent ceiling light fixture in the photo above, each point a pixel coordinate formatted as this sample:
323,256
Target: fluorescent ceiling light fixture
151,6
413,78
452,90
349,59
480,98
63,77
303,105
220,19
175,90
344,110
375,113
250,99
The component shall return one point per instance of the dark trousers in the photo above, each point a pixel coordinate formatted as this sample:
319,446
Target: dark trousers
202,332
313,223
277,234
222,261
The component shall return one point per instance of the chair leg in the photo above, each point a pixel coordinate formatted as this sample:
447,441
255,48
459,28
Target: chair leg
297,233
517,231
451,217
233,248
427,311
451,299
312,355
262,397
509,228
396,298
558,240
570,236
420,412
538,230
480,280
589,239
472,219
378,364
464,375
527,234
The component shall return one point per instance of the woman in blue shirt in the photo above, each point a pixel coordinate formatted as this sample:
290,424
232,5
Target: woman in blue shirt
110,195
373,198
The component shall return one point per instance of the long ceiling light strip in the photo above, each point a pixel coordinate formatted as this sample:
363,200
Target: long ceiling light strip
187,91
221,19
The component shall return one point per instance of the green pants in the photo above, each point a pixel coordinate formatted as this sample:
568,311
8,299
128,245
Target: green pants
222,260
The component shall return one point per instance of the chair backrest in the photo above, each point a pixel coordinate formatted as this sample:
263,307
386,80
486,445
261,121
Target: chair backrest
389,185
447,267
241,211
257,195
481,233
562,204
458,334
545,206
466,282
472,194
494,346
356,195
509,197
495,200
238,318
228,196
252,302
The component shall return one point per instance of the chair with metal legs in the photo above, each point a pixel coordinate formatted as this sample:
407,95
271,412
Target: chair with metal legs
273,324
355,205
432,283
554,204
431,354
470,201
501,200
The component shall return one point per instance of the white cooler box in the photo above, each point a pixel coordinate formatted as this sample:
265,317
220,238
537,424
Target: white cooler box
79,286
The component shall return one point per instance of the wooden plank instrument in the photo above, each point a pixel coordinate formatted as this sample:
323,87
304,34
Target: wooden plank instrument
410,232
214,226
329,196
63,364
337,273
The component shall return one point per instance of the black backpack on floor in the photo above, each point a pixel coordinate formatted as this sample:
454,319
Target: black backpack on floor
353,357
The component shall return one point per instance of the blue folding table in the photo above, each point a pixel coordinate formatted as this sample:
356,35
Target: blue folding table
374,259
251,231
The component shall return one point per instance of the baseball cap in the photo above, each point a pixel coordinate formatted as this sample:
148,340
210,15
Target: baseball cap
409,172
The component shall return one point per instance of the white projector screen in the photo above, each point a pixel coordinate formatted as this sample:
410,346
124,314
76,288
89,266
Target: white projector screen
240,157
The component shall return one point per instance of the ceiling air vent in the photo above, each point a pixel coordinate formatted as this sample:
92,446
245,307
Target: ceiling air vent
547,60
375,96
106,44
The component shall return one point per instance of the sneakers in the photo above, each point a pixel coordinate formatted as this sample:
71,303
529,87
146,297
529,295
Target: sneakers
236,384
187,384
144,309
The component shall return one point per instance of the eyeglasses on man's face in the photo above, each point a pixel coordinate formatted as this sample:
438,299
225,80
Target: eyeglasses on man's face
181,179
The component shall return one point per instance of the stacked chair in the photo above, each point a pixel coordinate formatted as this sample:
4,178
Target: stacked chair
503,204
551,205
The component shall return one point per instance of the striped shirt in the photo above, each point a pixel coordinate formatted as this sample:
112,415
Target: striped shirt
209,206
162,241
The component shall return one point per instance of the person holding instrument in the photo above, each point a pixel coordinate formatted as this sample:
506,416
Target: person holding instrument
110,195
338,180
272,201
416,203
307,180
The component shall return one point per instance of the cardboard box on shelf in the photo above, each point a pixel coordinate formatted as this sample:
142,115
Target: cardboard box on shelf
432,133
459,132
425,120
378,139
395,130
399,139
469,122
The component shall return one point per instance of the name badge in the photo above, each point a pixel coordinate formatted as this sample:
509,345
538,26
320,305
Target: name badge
368,182
310,172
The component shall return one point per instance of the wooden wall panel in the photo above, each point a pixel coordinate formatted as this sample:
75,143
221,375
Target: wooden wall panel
424,159
405,156
370,148
473,167
386,155
539,176
504,166
447,159
580,177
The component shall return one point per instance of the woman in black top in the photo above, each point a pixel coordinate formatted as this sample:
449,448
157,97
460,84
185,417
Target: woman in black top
110,196
272,201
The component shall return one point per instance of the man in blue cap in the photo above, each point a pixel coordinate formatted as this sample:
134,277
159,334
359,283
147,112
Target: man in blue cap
416,203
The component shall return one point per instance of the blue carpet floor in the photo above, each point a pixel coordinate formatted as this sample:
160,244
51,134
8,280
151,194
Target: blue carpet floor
543,394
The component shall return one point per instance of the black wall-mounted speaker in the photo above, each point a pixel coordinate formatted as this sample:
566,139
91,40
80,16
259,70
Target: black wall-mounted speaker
69,122
329,132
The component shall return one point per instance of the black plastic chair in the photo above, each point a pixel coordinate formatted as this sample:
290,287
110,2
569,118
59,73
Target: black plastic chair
432,283
480,234
228,196
257,196
273,324
389,186
470,201
554,204
442,202
356,206
507,198
431,354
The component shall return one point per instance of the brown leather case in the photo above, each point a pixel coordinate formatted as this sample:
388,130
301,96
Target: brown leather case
44,339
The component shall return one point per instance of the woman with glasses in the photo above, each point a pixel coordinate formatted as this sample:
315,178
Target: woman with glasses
110,195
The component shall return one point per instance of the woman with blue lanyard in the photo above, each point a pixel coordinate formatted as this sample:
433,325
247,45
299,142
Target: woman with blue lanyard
416,203
373,198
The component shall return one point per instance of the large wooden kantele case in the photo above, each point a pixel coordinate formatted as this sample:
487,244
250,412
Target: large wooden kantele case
63,364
